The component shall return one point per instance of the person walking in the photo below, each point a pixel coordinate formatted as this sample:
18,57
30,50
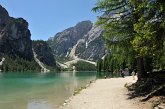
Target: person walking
114,73
122,73
133,74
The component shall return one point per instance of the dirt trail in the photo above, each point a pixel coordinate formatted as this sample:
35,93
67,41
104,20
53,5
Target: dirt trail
106,94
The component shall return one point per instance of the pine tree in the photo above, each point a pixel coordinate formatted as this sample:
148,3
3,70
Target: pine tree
134,29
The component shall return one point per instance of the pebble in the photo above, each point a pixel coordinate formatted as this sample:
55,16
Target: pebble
159,107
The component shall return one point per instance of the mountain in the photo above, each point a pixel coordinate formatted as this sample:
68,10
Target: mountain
63,41
15,37
81,41
91,46
16,46
44,53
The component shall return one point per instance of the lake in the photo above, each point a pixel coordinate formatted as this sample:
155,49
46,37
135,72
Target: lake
40,91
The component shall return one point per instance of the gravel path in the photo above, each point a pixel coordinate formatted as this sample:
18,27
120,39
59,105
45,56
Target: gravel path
106,94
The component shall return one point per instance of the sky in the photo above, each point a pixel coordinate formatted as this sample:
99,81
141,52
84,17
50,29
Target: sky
48,17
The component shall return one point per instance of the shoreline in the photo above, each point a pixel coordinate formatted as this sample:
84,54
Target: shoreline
107,93
76,92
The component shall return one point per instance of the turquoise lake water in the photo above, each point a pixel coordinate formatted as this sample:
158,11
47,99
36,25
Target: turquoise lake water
40,91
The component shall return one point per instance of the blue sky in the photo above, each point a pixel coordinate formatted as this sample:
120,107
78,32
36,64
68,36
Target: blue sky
47,17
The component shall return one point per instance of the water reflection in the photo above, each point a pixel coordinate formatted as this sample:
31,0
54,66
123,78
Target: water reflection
40,91
39,105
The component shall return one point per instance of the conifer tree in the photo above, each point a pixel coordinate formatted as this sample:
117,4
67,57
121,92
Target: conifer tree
134,29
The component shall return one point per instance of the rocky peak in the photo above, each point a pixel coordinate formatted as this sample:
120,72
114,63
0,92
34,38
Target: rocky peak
15,37
91,46
4,12
83,27
4,16
65,40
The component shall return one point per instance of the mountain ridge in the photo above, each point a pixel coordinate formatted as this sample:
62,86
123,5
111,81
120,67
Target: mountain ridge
16,45
65,40
88,45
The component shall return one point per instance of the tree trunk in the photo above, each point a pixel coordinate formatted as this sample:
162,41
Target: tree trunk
140,68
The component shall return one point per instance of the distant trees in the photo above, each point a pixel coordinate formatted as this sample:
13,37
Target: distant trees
44,53
17,64
134,32
109,64
84,66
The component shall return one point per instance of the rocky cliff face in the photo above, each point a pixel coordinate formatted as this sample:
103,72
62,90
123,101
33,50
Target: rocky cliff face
44,52
16,46
91,46
15,37
63,42
83,41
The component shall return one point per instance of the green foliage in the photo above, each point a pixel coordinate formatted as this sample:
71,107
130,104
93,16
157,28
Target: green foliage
38,42
18,64
109,64
44,54
117,23
134,32
63,59
84,66
149,40
118,29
